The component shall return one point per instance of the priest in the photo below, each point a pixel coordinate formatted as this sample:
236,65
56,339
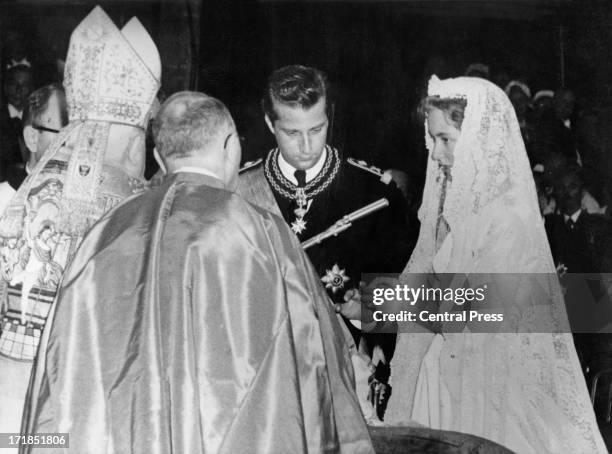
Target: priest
191,321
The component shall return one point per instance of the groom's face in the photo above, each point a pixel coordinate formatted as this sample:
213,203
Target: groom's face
301,133
444,136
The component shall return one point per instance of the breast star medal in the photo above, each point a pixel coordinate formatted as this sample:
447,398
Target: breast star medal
298,226
561,269
335,278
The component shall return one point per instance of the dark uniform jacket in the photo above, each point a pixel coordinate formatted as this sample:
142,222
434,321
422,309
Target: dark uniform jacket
379,243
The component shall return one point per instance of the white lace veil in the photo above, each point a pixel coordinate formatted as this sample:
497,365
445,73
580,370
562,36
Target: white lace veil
489,161
491,169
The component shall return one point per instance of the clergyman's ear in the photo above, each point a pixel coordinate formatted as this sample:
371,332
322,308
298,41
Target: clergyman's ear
227,140
30,137
160,161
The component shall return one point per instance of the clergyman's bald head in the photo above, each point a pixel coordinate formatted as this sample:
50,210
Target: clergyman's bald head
189,123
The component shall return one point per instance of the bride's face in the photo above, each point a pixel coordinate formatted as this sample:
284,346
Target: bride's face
444,135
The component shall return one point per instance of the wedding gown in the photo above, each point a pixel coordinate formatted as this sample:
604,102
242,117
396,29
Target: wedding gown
523,387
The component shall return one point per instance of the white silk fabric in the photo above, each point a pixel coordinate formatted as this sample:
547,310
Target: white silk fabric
522,388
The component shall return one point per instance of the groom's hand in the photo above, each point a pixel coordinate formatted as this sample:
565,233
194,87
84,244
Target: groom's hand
355,310
352,307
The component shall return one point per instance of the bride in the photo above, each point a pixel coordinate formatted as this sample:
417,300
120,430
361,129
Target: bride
480,215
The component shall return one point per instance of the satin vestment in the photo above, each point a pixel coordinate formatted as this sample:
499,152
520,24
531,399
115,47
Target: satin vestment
35,247
522,387
191,321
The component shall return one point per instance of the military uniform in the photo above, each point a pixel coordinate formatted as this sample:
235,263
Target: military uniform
378,243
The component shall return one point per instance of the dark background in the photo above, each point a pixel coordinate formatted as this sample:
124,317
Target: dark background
379,55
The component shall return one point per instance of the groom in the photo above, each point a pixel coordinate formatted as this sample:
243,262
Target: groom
311,185
208,295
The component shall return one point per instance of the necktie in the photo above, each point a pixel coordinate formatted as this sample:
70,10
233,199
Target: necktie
570,224
300,176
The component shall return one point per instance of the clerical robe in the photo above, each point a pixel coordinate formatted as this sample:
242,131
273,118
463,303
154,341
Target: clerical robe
40,230
191,321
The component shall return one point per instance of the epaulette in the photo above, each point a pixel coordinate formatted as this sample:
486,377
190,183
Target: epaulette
250,164
385,177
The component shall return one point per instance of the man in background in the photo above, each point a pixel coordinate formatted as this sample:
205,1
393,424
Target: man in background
554,133
45,114
580,243
13,153
577,237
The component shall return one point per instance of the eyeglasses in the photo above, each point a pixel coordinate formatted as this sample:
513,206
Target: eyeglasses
44,128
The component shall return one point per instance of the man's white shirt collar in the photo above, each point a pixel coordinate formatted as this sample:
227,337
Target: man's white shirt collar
288,170
199,170
574,216
14,113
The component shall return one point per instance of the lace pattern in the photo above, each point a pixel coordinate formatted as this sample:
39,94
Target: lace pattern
523,390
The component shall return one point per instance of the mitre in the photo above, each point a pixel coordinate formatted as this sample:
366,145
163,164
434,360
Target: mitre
111,75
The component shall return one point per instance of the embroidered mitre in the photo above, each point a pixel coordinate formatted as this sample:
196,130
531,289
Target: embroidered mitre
111,75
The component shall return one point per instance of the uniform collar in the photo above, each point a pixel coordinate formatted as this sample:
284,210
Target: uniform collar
288,170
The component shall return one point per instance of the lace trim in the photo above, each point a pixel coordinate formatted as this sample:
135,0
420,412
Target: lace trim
542,370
